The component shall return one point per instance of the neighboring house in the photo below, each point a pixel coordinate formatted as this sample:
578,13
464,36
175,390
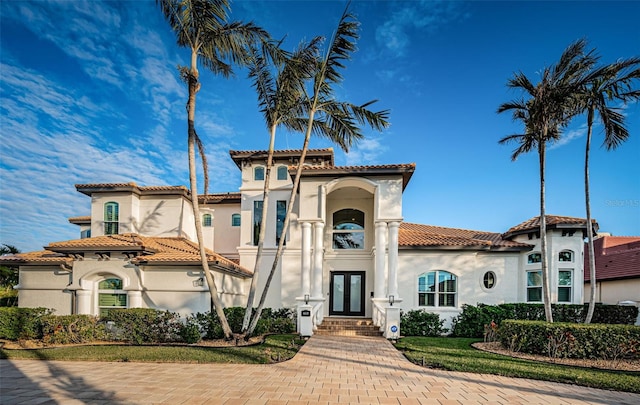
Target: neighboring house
617,261
348,251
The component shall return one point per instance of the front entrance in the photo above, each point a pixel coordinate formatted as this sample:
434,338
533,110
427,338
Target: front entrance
347,293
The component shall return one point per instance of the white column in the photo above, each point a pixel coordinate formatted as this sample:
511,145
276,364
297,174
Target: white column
393,258
318,251
305,270
134,299
83,300
381,232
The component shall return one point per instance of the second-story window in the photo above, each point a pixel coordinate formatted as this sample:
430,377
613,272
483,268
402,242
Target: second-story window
565,256
534,258
235,220
281,212
258,173
206,220
257,221
282,173
111,218
348,229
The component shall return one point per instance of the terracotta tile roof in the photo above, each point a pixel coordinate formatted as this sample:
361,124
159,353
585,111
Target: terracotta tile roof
325,155
219,198
553,222
41,257
405,169
87,189
617,257
84,219
417,235
149,250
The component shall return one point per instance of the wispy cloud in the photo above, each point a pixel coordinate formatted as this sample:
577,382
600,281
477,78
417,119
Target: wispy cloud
366,152
395,35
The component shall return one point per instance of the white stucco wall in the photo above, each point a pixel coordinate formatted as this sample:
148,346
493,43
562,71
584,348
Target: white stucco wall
43,286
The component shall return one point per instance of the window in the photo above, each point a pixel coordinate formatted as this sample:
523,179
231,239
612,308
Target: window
85,234
111,218
534,286
437,287
258,173
489,280
534,258
565,284
206,220
111,296
282,172
348,229
281,212
257,221
565,256
235,220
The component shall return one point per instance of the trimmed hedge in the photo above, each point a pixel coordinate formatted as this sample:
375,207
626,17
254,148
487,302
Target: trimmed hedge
143,326
571,340
421,323
71,329
280,321
471,322
22,323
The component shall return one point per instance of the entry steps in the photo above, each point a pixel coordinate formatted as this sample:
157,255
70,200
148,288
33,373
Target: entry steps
348,327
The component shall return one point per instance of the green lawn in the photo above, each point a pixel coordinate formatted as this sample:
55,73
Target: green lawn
456,354
276,347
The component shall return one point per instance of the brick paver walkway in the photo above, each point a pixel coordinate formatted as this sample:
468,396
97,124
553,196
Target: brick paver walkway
327,370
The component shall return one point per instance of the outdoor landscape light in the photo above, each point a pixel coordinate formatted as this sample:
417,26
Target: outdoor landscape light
392,299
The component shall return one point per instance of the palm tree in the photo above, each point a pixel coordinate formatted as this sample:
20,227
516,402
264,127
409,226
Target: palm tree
551,104
201,26
608,84
339,121
279,98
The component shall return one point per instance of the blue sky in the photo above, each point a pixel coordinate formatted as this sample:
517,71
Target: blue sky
90,93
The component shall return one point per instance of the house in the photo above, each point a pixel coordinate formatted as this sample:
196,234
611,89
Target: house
617,261
348,251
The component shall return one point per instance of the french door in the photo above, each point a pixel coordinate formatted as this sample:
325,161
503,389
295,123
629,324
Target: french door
347,293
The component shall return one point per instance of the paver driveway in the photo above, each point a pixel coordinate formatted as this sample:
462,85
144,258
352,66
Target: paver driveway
326,370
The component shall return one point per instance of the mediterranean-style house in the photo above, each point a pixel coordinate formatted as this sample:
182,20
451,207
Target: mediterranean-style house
348,252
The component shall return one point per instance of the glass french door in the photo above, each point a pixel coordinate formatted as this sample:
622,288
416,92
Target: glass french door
347,293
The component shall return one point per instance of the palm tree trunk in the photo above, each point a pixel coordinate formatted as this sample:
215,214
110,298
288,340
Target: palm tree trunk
287,220
587,199
261,236
213,290
543,235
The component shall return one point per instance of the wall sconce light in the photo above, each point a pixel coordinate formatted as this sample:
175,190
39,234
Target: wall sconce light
392,299
199,282
306,299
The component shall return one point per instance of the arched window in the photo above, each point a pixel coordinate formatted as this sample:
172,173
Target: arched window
206,220
565,256
111,218
235,220
282,172
111,295
534,258
348,229
437,289
258,173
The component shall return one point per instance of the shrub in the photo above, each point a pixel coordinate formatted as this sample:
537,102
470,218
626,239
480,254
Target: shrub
272,321
143,325
472,320
421,323
191,331
574,340
21,323
71,329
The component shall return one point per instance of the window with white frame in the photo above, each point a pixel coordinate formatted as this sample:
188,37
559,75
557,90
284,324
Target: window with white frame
282,172
534,258
565,256
111,217
111,295
489,280
565,285
281,212
235,220
257,221
258,173
534,286
206,220
348,229
437,289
